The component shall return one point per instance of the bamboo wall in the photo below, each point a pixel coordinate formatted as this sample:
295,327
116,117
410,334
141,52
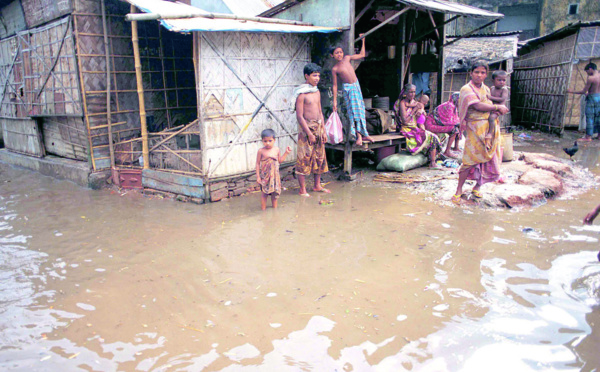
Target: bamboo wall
168,82
235,72
540,80
39,73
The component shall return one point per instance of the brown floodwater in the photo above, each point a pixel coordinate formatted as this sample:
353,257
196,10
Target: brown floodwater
380,280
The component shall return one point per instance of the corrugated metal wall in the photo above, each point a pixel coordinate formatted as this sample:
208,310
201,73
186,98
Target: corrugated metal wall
234,69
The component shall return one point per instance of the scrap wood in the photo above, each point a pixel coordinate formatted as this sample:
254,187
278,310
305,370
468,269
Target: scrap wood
401,178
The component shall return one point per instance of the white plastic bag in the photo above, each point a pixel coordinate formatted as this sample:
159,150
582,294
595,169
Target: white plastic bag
333,128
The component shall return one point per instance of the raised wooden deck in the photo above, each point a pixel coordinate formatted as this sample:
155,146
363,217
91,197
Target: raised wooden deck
380,140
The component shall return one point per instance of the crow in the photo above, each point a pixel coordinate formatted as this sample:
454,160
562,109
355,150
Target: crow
571,150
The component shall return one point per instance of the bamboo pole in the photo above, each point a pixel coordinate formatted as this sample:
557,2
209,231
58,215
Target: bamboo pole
111,149
140,90
83,93
157,16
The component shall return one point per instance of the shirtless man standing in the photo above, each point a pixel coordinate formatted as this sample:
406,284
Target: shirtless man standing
592,101
352,93
311,136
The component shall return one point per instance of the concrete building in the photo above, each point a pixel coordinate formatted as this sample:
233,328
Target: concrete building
532,18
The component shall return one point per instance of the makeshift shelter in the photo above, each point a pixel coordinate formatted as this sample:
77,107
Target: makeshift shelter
59,74
184,99
546,67
404,38
498,50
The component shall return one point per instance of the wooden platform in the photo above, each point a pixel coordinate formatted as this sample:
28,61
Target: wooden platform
380,140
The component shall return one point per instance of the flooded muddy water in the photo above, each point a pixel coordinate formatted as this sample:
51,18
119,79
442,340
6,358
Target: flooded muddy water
380,280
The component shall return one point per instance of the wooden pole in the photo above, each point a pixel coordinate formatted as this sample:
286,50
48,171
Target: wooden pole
140,90
83,92
382,24
108,87
441,68
158,16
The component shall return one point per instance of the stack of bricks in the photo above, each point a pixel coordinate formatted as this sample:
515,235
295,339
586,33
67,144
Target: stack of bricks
241,185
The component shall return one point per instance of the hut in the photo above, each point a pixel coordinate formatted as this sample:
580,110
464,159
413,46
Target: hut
176,105
405,39
545,68
497,49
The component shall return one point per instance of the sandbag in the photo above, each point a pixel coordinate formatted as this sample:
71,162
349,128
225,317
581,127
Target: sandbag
402,162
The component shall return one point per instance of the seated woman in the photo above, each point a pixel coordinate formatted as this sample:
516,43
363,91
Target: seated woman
417,138
445,120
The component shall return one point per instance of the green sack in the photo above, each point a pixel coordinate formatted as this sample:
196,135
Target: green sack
402,162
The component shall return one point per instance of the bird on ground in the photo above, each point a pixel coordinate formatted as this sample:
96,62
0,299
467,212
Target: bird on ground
571,150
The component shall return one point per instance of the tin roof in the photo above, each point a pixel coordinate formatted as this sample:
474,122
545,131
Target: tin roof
452,8
441,6
491,49
527,45
188,24
250,7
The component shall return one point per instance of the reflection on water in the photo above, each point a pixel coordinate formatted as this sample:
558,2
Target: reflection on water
379,281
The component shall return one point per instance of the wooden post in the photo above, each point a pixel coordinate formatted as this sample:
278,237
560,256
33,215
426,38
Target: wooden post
140,90
441,68
348,144
401,53
108,88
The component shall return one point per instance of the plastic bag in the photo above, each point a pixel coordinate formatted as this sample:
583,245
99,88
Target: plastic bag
333,128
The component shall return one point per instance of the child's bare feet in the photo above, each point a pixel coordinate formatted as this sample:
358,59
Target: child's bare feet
322,189
305,194
368,139
359,140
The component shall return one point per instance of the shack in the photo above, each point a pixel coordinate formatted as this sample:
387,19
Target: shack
405,39
176,105
546,67
498,49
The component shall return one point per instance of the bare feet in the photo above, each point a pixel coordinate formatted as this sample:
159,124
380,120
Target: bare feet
322,189
359,139
306,195
368,139
436,166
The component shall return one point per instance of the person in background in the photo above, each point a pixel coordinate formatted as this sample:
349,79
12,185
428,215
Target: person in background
444,119
592,101
418,140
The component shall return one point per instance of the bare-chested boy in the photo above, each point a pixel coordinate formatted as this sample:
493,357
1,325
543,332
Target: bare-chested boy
311,136
498,95
352,94
592,101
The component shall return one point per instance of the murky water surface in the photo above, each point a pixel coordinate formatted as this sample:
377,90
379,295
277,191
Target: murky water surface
380,280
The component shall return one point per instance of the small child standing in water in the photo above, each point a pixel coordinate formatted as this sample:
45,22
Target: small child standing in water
498,95
268,159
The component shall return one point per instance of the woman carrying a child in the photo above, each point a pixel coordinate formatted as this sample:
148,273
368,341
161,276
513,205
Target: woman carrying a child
445,120
418,139
481,159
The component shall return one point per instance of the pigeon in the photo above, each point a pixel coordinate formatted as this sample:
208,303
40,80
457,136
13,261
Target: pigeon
571,150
